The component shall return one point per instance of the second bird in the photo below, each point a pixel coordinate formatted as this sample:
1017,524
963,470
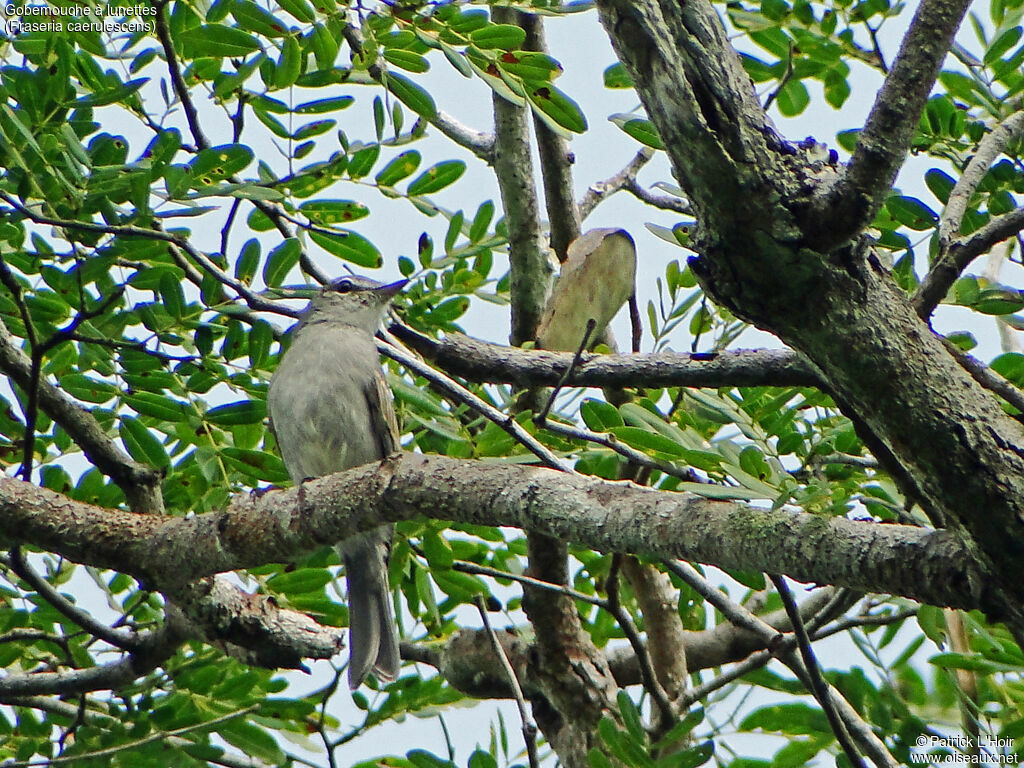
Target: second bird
331,410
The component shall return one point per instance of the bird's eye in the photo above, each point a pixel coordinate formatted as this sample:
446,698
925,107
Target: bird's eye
343,285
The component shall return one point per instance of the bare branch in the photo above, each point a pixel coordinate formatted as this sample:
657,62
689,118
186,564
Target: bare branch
463,395
960,253
529,727
479,143
555,161
849,203
819,687
530,269
157,648
168,553
101,720
482,361
989,148
601,190
119,639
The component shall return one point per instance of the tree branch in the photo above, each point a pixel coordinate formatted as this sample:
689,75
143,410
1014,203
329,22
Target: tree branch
479,143
482,361
157,648
168,553
98,719
140,483
960,253
530,271
852,201
555,161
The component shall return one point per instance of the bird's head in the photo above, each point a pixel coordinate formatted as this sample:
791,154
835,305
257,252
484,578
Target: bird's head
353,300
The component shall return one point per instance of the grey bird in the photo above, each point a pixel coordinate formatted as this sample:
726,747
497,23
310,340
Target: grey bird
330,410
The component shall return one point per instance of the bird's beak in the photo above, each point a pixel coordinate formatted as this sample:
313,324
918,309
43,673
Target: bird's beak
391,289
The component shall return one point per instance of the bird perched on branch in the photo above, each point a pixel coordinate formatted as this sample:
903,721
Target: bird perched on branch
331,410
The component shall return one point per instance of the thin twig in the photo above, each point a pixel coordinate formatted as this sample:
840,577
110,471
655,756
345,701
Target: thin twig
127,641
529,727
782,80
819,687
394,349
153,737
541,417
667,714
610,441
601,190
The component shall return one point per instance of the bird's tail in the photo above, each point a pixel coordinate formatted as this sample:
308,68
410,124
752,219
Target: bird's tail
372,634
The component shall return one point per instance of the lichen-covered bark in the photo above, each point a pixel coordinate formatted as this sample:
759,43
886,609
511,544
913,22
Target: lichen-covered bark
934,427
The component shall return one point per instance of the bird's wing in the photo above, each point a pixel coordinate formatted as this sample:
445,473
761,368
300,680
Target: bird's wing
382,412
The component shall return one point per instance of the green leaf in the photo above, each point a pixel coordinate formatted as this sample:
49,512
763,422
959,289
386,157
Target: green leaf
218,40
600,416
412,95
1001,45
554,107
530,65
911,212
319,106
242,412
940,183
437,178
87,389
362,161
420,758
300,9
256,465
401,167
437,549
481,222
172,295
410,61
248,260
289,66
793,98
328,212
639,128
1010,366
315,128
280,262
616,76
349,246
252,740
141,444
999,301
508,37
158,406
787,718
254,18
217,163
646,440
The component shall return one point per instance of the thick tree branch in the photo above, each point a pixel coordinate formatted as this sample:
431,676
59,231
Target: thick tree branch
940,434
989,148
853,200
482,361
530,270
695,90
169,553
